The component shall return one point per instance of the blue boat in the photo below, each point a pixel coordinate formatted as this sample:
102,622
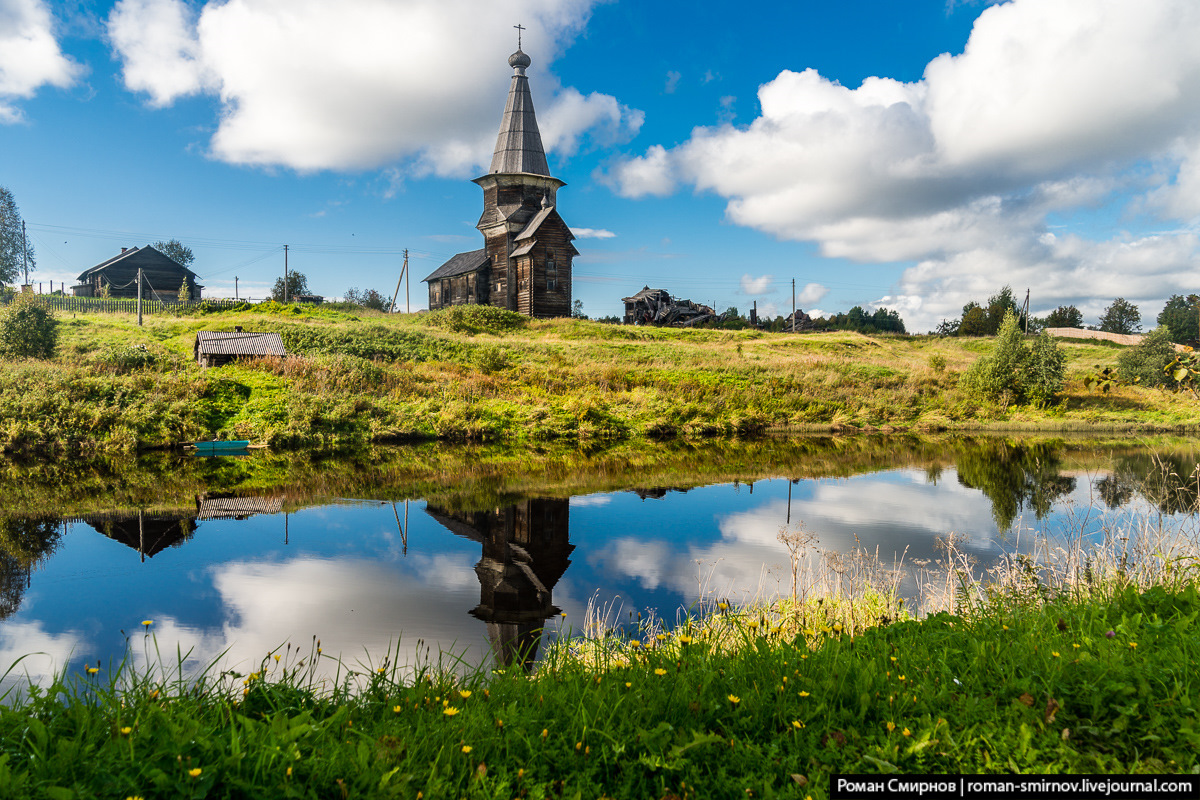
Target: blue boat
228,446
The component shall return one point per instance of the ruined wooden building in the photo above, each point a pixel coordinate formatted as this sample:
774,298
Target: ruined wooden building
656,307
162,276
525,263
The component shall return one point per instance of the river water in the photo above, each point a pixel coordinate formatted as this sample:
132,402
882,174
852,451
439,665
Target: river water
232,576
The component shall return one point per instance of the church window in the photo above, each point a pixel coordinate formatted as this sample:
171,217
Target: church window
551,272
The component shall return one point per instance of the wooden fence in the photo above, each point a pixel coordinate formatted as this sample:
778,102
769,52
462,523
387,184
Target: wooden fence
122,305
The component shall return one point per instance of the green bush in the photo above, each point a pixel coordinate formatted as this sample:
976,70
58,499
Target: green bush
28,329
126,358
1014,374
1144,362
476,319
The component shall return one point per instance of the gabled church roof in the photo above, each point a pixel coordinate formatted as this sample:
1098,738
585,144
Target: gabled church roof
519,145
460,264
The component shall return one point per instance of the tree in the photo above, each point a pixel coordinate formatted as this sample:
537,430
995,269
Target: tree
297,284
1179,316
1121,317
28,329
577,310
12,240
177,251
1012,373
1145,362
367,298
1064,317
998,306
185,291
974,322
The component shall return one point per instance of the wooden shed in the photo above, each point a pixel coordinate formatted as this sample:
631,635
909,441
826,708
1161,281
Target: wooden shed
214,348
162,276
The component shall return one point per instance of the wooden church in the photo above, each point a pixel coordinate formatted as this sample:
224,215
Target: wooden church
525,263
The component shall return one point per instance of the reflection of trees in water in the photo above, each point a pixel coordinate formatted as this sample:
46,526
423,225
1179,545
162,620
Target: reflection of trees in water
1168,482
23,544
1014,477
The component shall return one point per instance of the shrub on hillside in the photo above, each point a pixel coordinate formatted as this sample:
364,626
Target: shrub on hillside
1015,374
1144,363
476,319
28,329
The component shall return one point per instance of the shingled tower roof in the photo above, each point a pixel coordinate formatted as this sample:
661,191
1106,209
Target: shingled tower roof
519,145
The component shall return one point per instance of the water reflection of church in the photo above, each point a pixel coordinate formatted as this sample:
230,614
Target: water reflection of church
526,550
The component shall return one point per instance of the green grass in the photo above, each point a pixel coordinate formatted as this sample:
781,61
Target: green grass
483,375
726,708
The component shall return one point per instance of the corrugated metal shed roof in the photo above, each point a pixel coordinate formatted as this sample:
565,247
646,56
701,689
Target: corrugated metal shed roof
460,264
239,343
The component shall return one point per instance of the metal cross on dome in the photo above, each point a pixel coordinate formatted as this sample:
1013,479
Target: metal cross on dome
519,28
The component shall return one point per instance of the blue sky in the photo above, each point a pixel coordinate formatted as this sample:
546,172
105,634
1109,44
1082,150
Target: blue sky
911,155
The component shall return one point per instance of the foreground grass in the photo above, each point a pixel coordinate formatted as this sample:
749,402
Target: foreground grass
474,374
739,706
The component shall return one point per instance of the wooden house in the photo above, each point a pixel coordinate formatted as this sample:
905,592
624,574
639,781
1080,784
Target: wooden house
214,348
525,263
162,276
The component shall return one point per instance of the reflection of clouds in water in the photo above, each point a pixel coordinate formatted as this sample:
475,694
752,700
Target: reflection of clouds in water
902,511
357,608
591,500
45,653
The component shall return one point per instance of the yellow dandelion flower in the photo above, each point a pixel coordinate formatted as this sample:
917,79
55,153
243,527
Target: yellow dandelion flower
753,625
146,623
892,659
902,677
891,726
1076,646
563,614
397,709
685,639
733,698
126,730
1132,645
662,637
466,748
837,627
635,643
1004,627
1054,654
379,671
660,671
289,772
195,772
797,724
92,670
446,702
277,657
906,732
545,732
465,693
803,693
134,797
628,685
450,711
521,772
579,745
723,606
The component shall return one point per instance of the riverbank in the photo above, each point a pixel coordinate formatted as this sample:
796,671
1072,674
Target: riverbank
754,702
478,374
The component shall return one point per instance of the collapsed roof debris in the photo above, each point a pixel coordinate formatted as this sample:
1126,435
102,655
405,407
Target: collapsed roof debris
655,307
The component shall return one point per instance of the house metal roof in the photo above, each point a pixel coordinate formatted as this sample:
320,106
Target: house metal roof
239,343
519,144
144,251
460,264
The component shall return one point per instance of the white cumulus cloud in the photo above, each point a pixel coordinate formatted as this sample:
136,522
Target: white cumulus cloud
1053,106
362,84
756,286
592,233
29,55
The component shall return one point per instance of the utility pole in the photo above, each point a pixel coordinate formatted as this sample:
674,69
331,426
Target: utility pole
235,294
1025,312
285,286
399,280
793,305
407,310
139,297
25,251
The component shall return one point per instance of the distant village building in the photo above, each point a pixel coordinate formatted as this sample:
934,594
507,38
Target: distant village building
525,263
214,348
162,275
656,307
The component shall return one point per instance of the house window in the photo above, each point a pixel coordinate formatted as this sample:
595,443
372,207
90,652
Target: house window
551,272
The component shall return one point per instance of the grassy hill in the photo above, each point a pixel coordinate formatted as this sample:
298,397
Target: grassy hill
480,374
